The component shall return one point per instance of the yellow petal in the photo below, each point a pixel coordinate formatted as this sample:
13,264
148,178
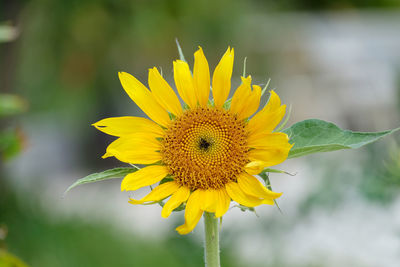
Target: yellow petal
255,167
271,156
180,196
223,203
193,213
163,93
267,140
274,102
266,121
245,101
237,194
135,149
269,117
142,156
241,95
123,126
221,81
159,193
136,141
253,187
252,102
268,201
144,177
144,99
184,83
209,199
201,77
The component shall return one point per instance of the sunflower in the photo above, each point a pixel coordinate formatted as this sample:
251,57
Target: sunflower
205,154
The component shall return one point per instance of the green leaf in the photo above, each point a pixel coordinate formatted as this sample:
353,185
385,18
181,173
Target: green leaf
313,136
101,176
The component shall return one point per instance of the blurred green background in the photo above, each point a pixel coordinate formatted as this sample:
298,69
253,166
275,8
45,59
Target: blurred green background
334,60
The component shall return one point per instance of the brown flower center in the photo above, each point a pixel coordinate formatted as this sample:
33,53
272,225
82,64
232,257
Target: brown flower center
205,148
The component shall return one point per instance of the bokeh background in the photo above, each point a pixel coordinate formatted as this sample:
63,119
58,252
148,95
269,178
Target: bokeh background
333,60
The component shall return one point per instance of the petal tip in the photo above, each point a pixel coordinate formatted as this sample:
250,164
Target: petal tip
165,214
183,229
106,155
132,201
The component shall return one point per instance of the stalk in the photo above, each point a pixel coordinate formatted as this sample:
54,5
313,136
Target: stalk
211,248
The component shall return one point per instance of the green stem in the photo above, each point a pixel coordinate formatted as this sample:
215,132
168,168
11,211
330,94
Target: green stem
211,248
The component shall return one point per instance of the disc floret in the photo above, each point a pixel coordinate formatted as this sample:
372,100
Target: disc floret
205,148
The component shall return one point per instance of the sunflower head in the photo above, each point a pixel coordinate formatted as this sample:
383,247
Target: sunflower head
211,152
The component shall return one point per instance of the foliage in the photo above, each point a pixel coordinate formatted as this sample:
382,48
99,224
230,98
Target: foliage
313,136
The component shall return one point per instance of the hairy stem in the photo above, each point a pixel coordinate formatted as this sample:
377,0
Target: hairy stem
211,247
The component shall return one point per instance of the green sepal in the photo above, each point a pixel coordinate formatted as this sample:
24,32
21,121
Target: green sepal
181,56
244,66
166,179
227,104
244,209
269,170
265,177
283,124
171,116
185,107
101,176
265,87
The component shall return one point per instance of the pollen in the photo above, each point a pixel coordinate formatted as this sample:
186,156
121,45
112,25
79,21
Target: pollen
205,148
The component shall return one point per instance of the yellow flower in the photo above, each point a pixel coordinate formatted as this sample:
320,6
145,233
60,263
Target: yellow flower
210,153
